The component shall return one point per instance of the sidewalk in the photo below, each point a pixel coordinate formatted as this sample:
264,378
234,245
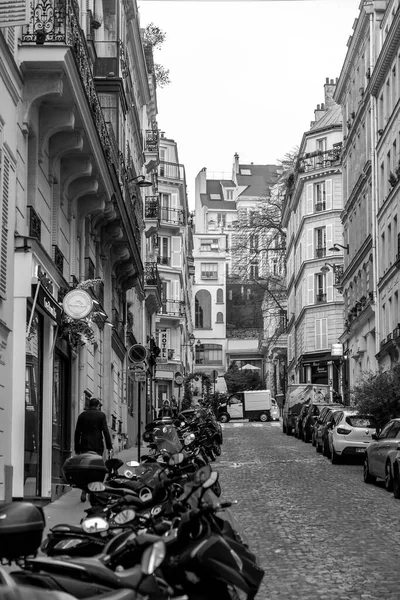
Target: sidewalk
69,508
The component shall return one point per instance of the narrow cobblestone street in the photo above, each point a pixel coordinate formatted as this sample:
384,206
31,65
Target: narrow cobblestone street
319,531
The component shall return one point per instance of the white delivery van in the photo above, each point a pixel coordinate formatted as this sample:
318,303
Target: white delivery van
254,405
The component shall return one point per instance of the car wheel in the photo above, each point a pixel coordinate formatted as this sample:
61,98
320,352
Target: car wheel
388,477
368,478
335,458
289,431
396,485
224,418
263,417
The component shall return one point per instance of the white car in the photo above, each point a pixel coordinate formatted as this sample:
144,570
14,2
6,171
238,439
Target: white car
274,413
350,434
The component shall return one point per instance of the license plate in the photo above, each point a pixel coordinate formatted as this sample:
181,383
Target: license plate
360,449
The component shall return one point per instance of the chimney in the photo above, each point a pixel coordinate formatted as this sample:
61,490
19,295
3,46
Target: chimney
329,89
235,167
319,112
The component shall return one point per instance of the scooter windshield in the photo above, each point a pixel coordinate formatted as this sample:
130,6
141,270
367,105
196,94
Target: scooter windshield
166,438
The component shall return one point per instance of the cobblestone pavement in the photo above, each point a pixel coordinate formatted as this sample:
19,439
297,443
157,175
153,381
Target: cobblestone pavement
319,531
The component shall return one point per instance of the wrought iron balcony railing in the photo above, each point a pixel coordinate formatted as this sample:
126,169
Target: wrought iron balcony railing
151,207
172,215
151,275
58,258
35,224
173,308
320,252
171,170
151,140
164,260
320,298
310,161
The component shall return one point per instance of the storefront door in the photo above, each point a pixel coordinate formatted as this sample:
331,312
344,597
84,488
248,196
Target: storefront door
60,415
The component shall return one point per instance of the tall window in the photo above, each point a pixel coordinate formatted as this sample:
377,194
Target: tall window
321,334
320,196
320,288
320,242
221,219
202,304
254,240
229,194
220,296
209,271
254,272
220,317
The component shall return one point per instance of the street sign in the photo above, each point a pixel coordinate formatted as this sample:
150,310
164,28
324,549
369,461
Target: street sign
214,376
137,353
178,378
137,367
337,350
140,376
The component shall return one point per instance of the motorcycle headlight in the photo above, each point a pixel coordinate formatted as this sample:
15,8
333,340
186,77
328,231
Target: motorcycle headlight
189,439
67,544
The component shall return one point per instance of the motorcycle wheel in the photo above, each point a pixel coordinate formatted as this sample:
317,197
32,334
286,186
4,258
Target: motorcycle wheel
217,449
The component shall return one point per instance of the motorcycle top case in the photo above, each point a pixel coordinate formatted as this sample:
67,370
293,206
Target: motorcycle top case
82,469
21,529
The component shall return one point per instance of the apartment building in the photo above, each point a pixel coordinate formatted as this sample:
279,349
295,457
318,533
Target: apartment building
79,149
368,91
314,233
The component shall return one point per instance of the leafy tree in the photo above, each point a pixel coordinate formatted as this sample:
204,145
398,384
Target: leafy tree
153,39
240,381
378,394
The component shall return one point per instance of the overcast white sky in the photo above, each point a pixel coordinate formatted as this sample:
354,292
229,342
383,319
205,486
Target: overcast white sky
245,76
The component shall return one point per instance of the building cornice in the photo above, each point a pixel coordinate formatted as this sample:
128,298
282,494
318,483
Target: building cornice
386,55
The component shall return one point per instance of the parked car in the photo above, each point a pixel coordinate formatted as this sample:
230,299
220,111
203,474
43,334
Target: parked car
396,475
317,423
381,456
322,425
309,419
350,434
298,422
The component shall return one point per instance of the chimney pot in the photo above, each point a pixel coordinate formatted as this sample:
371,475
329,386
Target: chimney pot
327,80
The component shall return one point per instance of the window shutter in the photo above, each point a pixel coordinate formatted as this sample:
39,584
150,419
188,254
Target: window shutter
310,244
309,198
5,188
289,347
293,346
176,251
328,194
176,292
14,13
329,238
329,286
318,334
310,288
324,333
174,200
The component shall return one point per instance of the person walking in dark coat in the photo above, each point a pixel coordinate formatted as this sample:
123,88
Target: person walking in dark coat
91,428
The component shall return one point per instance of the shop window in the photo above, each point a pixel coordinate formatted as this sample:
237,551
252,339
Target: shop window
203,310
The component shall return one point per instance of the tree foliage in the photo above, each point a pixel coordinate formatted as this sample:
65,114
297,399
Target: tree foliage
240,381
378,394
155,37
161,75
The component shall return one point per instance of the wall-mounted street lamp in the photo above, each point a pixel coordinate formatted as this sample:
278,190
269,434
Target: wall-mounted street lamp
191,341
141,181
325,267
335,248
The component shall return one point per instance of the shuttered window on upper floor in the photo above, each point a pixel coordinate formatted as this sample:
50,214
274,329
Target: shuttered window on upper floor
4,208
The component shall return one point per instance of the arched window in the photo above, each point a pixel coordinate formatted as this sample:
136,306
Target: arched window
220,295
230,295
220,317
202,305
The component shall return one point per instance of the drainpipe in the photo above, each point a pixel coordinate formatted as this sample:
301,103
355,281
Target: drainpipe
369,9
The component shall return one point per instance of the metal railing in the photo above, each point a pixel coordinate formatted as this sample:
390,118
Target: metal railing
172,215
310,161
151,207
320,298
151,275
173,308
320,252
171,170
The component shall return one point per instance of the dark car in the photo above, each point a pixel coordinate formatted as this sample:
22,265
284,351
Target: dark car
318,423
309,419
323,425
298,424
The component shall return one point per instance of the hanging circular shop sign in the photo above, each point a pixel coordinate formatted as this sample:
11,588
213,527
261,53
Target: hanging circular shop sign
77,304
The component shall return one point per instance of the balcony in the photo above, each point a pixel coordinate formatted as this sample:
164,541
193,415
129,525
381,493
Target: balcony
320,298
320,252
152,207
172,308
172,216
152,286
58,258
312,161
35,224
164,260
320,206
168,170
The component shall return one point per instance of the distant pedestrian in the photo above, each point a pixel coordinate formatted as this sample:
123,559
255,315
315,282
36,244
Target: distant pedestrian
91,428
166,410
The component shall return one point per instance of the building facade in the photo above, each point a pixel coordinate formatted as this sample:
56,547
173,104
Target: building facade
312,218
79,145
